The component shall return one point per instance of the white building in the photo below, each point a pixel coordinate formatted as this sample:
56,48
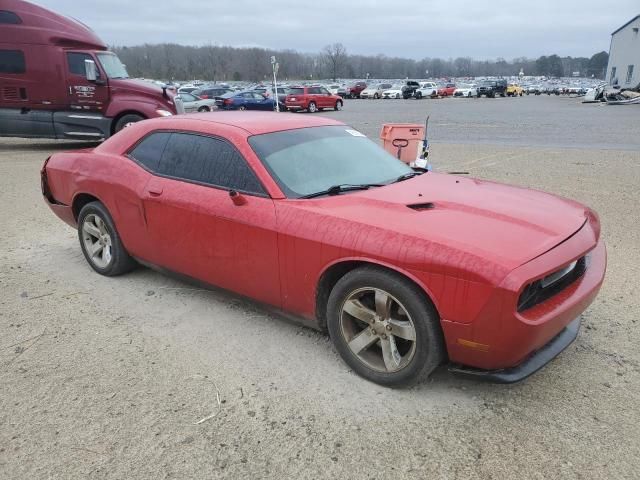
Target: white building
624,55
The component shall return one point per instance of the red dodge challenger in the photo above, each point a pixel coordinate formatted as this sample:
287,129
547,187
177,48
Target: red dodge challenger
406,269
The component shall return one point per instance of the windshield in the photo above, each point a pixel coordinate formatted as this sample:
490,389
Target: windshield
113,66
309,160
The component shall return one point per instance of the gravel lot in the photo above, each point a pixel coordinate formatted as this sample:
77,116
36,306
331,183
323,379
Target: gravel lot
107,377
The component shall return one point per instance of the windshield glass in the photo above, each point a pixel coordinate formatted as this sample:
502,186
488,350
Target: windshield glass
113,66
310,160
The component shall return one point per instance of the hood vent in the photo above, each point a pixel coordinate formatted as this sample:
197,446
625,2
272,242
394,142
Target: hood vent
422,206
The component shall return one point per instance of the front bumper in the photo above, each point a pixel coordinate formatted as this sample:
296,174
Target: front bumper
528,367
498,337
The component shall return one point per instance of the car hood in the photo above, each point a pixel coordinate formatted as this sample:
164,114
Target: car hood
509,225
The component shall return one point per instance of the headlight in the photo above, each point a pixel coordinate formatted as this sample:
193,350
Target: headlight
164,113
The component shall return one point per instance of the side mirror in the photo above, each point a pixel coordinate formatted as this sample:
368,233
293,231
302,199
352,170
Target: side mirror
90,70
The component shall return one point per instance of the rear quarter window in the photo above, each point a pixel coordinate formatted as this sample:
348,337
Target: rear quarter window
296,91
149,151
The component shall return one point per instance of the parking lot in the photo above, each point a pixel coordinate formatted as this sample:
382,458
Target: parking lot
145,376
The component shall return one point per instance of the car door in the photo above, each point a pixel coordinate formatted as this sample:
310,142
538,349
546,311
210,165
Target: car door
83,94
190,102
209,217
325,98
263,102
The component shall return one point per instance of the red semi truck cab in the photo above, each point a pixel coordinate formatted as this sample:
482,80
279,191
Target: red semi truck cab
58,80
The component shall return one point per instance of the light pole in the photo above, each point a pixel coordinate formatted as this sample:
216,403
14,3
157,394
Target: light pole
275,66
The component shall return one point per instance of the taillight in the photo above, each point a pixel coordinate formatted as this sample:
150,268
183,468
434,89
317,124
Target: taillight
204,97
228,101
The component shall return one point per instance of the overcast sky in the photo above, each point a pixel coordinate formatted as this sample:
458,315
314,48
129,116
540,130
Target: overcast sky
415,29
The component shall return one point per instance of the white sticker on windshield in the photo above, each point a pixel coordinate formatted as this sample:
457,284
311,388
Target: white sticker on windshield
355,133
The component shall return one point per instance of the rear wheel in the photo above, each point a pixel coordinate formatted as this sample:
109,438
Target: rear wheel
100,241
312,108
384,327
242,107
204,109
126,120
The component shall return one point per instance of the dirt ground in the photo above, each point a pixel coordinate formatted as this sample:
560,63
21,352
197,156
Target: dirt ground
147,377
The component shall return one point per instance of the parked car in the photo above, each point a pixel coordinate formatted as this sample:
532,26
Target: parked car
468,91
58,80
194,104
210,92
394,92
407,270
514,90
187,88
409,88
492,88
354,90
534,90
312,99
446,90
342,92
333,89
375,91
248,100
426,90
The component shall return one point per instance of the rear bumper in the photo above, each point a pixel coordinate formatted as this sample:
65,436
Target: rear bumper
532,364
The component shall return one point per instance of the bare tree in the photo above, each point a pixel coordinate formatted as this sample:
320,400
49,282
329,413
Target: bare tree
336,56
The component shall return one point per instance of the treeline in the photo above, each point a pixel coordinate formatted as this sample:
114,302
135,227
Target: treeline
218,63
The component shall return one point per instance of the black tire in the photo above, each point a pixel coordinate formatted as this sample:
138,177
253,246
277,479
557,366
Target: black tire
120,261
312,108
376,96
126,120
204,109
242,107
429,342
338,106
418,95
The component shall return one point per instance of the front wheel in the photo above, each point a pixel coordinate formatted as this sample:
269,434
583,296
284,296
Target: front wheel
312,108
126,120
100,241
204,109
338,106
242,107
418,95
384,327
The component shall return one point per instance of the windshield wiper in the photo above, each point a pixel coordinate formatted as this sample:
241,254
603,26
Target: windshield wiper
338,189
408,175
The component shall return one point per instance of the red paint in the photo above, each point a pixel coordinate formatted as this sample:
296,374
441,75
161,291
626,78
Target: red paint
472,254
301,101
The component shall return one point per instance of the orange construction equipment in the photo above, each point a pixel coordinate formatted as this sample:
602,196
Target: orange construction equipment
403,140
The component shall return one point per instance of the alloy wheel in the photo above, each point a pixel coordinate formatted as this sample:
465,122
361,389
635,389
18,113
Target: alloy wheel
378,330
97,241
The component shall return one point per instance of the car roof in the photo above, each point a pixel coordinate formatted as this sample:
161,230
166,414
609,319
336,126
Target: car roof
254,123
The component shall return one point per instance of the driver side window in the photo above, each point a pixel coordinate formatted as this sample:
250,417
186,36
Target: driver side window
76,60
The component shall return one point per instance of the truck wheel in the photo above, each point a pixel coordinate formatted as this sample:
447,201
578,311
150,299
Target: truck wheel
127,120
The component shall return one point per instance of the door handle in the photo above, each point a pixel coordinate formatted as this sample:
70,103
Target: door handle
155,191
